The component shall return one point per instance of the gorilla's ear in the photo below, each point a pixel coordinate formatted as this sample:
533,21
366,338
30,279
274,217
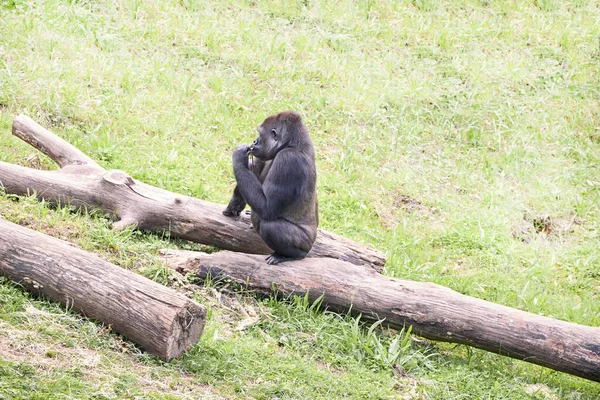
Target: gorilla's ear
274,134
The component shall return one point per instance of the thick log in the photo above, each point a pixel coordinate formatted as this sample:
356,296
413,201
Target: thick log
83,183
162,321
435,312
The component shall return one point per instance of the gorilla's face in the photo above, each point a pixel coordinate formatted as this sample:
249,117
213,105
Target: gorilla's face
268,142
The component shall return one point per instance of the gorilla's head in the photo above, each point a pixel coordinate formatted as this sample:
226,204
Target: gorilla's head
278,132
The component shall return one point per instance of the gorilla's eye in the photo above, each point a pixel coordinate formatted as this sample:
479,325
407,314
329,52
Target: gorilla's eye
274,133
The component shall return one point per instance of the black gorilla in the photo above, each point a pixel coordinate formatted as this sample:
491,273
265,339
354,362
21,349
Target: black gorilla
280,187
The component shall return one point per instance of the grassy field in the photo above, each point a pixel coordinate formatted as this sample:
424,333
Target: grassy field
460,137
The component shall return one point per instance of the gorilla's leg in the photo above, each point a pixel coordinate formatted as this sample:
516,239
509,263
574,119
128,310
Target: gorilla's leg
289,241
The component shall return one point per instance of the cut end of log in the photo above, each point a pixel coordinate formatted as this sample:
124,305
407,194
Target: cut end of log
187,327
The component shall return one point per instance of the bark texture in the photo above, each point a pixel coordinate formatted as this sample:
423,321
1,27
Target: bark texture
83,183
435,312
161,320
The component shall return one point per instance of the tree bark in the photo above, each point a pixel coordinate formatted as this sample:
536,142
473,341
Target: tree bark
435,312
161,320
83,183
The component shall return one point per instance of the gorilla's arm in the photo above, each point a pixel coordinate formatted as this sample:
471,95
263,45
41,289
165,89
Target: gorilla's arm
286,181
237,203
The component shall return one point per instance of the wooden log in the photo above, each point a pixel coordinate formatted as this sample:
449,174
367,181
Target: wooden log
83,183
435,312
57,149
162,321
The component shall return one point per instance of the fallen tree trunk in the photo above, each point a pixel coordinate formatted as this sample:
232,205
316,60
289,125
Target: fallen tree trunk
83,183
161,320
435,312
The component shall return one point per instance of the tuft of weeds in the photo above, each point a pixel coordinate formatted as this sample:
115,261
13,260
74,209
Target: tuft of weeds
343,341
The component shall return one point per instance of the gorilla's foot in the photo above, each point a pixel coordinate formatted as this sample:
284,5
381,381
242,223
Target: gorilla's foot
277,258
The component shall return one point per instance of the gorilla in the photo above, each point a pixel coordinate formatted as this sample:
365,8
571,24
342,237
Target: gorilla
279,186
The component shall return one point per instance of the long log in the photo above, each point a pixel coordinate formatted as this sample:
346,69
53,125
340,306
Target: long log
83,183
162,321
435,312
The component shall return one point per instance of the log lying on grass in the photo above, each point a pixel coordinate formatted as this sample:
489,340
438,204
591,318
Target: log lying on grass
83,183
435,312
162,321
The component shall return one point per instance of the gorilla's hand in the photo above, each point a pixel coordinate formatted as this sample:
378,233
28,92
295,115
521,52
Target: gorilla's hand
240,156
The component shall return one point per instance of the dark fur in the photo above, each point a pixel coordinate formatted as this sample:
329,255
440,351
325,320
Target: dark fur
280,188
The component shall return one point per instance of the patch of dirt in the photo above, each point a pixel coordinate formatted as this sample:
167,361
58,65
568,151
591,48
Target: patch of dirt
239,313
462,266
405,382
401,205
234,311
56,120
413,206
23,346
544,226
408,203
63,230
33,161
26,345
540,391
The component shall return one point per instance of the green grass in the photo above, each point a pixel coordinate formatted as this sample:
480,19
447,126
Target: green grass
461,138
